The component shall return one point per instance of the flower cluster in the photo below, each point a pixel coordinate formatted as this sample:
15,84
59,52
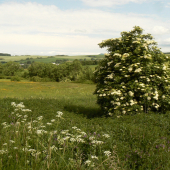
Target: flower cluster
133,76
32,138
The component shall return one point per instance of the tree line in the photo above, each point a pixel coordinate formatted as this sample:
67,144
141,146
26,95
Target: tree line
38,71
5,54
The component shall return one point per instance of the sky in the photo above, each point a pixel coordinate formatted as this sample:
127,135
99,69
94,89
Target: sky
76,27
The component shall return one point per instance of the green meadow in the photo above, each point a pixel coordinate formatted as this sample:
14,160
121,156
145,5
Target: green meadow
60,126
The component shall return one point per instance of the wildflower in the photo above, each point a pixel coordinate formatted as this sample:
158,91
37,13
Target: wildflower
80,140
83,133
53,120
64,131
2,152
26,110
65,138
4,124
94,157
15,148
39,132
49,124
106,135
107,153
34,121
72,139
88,162
91,137
13,104
54,148
40,117
97,142
12,141
59,114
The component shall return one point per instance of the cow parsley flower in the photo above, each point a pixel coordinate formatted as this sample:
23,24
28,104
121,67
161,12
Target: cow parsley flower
107,153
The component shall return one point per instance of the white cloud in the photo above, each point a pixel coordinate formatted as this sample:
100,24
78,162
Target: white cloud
167,5
32,28
109,3
160,30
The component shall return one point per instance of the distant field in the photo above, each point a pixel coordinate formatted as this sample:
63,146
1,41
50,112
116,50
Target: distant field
47,59
27,89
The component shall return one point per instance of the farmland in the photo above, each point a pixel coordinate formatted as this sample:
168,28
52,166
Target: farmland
47,59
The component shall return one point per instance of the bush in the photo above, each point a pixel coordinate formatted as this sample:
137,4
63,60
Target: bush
15,78
133,77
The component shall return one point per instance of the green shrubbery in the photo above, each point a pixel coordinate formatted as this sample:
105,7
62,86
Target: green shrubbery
64,72
46,72
15,78
134,76
10,68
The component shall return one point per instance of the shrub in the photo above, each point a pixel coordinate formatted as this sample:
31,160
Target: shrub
15,78
134,76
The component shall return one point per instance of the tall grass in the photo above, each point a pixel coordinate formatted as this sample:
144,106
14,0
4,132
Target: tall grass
28,142
140,141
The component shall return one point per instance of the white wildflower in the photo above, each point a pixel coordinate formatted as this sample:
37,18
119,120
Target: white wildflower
107,153
94,157
106,135
88,162
59,114
40,117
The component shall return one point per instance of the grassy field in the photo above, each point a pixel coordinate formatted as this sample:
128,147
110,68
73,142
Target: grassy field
65,130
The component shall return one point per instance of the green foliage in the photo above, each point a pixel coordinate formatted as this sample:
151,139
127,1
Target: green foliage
64,72
133,77
1,68
11,68
15,78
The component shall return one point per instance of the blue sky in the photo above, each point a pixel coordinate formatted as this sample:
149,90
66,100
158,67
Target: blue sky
74,27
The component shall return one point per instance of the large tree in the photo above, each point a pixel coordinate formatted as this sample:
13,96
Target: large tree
134,76
11,68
